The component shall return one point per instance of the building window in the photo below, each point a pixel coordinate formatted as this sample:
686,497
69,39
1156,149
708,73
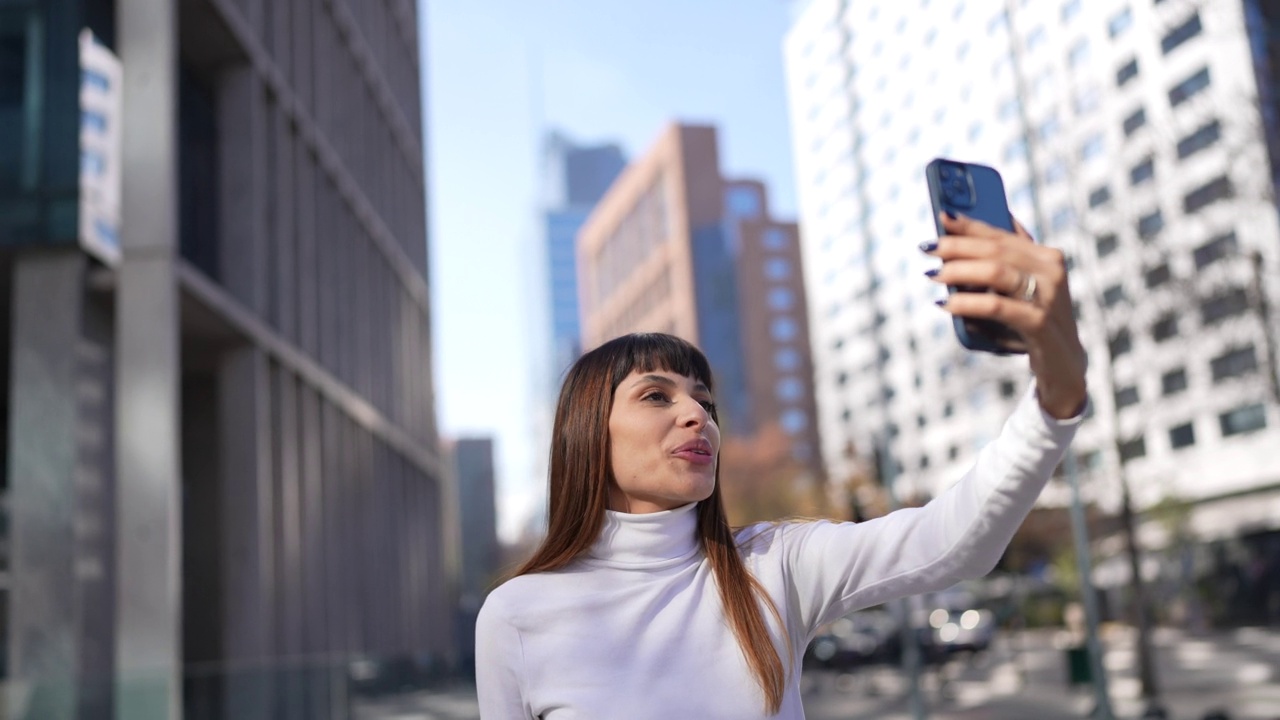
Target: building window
1055,172
1219,188
1135,120
774,239
1173,382
1150,225
1062,219
1092,147
794,421
1078,54
781,298
1119,22
1224,305
1126,396
1142,172
786,359
948,409
789,389
1234,363
1113,295
1245,419
1214,250
1202,138
1165,328
1015,151
1120,343
1070,9
1035,38
1100,196
1133,449
1127,72
1050,128
1181,34
743,201
1008,389
776,268
1107,244
1182,436
1190,87
783,329
1158,275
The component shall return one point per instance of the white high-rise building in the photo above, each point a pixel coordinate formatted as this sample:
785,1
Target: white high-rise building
1131,134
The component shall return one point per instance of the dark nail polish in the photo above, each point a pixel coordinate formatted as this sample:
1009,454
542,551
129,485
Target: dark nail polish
932,272
947,214
940,303
928,246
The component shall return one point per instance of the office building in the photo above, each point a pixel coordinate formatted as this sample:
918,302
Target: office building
473,468
675,247
574,178
224,483
1135,136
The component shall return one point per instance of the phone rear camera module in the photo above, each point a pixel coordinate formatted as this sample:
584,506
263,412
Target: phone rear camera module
957,187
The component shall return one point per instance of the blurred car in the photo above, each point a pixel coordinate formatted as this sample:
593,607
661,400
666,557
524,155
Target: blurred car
863,638
953,631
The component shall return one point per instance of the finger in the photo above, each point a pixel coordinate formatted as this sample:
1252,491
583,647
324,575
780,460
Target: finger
950,247
1028,319
998,276
961,224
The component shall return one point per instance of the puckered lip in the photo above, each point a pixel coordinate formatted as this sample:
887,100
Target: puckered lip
701,446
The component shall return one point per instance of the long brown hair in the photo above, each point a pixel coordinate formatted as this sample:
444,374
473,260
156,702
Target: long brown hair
581,473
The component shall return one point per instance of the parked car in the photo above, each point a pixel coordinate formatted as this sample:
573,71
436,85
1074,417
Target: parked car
863,638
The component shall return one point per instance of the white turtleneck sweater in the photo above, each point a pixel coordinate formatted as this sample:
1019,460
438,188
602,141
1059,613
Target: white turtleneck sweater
635,628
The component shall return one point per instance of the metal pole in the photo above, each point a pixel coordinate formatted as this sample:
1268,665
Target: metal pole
911,664
1080,531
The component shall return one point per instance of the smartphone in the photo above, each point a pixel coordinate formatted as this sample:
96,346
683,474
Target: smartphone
978,192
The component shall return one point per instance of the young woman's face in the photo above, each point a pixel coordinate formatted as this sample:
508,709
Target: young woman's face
664,442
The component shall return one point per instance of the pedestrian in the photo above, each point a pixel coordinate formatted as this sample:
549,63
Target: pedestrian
641,602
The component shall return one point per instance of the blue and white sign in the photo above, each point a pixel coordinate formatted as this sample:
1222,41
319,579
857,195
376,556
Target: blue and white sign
99,149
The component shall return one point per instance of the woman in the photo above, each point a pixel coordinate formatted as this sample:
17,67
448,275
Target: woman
642,603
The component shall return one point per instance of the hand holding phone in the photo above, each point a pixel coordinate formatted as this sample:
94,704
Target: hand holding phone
961,188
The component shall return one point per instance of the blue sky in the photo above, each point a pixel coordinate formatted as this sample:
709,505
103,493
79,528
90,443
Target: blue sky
498,74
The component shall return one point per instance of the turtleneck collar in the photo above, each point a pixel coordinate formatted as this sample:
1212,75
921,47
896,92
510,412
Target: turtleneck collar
648,539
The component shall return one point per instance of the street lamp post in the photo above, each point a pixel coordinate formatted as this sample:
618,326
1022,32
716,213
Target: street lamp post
1080,533
911,660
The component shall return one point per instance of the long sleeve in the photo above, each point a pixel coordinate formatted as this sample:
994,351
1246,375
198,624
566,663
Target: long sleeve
836,568
499,665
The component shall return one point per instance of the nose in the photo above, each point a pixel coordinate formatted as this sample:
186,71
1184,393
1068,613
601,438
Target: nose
694,415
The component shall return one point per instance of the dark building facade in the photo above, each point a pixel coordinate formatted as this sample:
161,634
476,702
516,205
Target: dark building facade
225,490
473,468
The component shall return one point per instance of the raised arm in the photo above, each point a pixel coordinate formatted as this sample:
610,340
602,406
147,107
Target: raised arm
836,568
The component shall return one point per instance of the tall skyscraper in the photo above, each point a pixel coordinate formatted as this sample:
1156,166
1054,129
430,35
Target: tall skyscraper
675,247
1132,135
224,482
574,179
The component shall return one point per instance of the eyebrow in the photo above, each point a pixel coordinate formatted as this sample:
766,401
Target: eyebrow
665,381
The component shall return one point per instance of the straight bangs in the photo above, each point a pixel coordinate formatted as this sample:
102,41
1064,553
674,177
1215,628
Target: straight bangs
646,352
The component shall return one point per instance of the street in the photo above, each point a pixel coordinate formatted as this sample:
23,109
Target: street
1022,676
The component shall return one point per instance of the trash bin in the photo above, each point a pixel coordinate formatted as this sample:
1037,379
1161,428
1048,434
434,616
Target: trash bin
1079,671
